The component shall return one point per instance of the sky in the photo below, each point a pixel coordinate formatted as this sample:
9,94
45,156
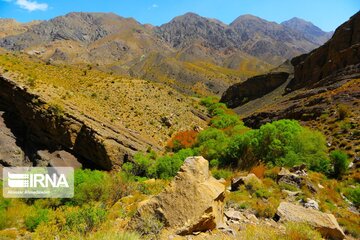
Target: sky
326,14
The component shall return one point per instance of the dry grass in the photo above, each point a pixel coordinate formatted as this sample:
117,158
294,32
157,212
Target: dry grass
135,104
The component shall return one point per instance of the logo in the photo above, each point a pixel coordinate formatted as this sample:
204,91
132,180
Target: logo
28,182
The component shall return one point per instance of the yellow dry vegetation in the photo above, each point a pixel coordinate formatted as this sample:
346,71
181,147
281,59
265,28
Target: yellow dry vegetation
118,101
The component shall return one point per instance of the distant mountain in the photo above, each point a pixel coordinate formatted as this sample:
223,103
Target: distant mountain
191,28
191,53
10,27
308,30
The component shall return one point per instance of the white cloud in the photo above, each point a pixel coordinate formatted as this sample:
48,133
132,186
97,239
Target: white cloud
31,5
153,6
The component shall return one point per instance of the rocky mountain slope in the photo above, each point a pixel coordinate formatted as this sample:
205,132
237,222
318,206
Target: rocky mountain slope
308,30
10,27
66,108
190,53
321,86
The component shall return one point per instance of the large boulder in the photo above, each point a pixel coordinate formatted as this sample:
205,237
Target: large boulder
325,223
192,202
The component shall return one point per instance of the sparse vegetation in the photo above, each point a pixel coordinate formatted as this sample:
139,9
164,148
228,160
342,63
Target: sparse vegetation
341,163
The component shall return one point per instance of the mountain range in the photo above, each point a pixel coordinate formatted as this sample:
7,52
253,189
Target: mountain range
192,53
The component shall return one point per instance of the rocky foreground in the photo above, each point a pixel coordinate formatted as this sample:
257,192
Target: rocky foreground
193,204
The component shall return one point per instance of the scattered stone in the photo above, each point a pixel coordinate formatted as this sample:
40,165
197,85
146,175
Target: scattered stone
198,129
325,223
310,203
252,218
234,215
299,170
193,202
291,193
320,186
311,187
226,229
167,121
237,182
285,176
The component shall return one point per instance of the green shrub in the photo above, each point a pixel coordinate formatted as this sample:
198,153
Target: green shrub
224,121
151,166
353,194
262,193
33,220
280,143
217,109
221,173
85,219
90,186
212,143
167,166
340,162
209,101
214,163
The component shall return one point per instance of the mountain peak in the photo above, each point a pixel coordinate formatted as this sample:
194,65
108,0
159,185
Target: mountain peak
297,22
308,29
246,17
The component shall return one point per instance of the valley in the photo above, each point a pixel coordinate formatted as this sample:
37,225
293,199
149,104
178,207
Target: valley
193,129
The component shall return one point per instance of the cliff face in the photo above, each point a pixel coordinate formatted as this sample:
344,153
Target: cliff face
253,88
324,69
46,126
339,57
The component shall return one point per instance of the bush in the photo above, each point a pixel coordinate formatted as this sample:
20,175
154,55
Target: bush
33,220
262,193
167,166
149,226
221,173
182,140
217,109
224,121
150,166
212,143
343,112
340,162
84,219
353,194
208,101
281,143
90,186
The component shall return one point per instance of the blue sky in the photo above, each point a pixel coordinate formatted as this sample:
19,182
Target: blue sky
327,14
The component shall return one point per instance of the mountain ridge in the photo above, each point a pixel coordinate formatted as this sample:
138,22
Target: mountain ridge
211,54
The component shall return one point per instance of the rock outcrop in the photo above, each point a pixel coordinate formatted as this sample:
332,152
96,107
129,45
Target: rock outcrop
11,154
325,223
337,58
48,127
253,88
192,202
